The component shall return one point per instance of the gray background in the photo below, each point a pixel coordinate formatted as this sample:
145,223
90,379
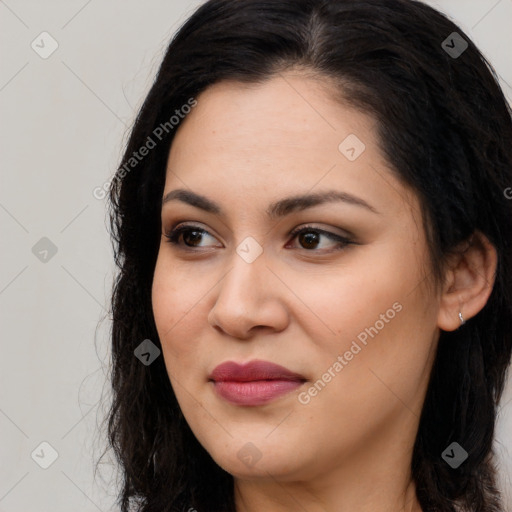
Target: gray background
65,119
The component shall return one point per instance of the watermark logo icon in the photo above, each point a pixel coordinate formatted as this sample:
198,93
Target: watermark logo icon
454,45
352,147
44,45
147,352
44,250
249,454
249,249
454,455
44,455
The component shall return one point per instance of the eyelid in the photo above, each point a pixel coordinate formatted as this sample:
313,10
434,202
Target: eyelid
326,232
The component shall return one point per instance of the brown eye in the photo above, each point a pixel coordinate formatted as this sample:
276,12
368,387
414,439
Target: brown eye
191,235
310,237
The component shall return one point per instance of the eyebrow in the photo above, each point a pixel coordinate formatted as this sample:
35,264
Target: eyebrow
277,209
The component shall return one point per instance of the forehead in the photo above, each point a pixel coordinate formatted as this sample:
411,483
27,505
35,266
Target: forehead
286,111
281,137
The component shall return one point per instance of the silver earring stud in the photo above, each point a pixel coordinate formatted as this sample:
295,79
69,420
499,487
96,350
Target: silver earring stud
462,321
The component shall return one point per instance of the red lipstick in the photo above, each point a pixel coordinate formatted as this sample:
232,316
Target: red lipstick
254,383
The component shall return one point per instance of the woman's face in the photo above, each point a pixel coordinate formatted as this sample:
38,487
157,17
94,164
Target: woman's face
355,322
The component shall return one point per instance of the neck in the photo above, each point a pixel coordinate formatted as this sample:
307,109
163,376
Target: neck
374,479
274,496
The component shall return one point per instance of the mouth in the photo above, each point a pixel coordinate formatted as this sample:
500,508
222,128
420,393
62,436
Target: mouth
255,383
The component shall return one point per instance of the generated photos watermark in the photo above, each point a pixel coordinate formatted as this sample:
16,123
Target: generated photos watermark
355,348
157,135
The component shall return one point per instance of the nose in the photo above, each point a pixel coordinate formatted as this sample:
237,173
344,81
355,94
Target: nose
249,299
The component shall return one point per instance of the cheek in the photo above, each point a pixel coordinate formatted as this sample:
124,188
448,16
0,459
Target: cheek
350,299
175,304
387,363
374,314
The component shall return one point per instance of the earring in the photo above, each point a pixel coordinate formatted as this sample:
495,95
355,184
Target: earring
462,321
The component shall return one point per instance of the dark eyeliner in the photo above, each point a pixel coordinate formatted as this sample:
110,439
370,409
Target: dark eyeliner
342,240
173,235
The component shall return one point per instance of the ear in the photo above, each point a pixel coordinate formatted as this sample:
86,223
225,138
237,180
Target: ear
469,280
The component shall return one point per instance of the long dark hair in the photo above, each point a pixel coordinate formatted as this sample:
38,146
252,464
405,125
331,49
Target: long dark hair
446,130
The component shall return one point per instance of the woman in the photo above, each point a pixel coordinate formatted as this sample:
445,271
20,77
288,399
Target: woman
312,225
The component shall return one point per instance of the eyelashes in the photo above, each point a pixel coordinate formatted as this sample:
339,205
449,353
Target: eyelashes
174,237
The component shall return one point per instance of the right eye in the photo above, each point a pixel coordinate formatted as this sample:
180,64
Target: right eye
191,235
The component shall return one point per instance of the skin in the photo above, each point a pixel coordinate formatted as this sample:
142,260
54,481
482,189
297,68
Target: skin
302,302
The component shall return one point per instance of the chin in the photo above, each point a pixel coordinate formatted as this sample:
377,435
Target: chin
263,459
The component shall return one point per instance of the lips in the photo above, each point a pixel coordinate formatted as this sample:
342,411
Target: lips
254,383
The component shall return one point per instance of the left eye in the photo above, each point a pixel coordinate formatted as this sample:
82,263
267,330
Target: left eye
309,237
